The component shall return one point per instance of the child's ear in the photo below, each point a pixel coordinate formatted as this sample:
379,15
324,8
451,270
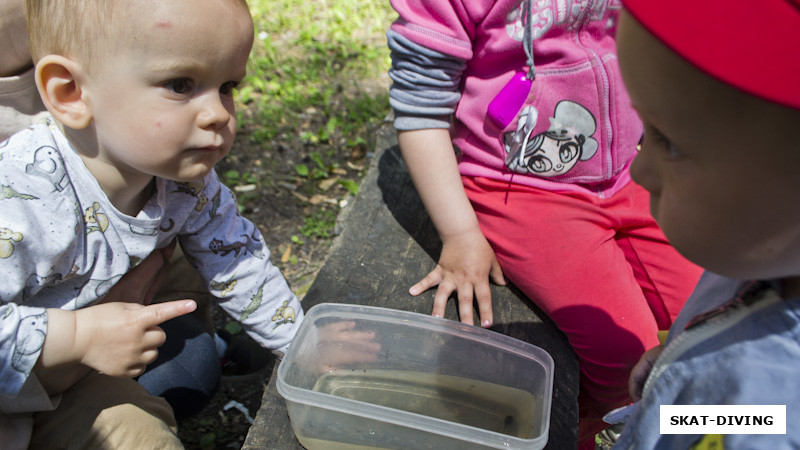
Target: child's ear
59,81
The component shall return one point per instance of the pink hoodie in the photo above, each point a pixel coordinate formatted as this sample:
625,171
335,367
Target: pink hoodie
577,124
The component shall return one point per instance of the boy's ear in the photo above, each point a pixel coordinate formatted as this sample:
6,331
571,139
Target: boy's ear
59,81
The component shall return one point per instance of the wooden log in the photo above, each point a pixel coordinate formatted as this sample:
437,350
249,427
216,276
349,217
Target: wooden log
387,243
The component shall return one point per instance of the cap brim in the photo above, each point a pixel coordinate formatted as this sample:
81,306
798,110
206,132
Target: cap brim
751,45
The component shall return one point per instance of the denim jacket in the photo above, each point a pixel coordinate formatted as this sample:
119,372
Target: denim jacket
720,352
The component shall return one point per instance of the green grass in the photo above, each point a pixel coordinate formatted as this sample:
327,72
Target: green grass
317,85
302,52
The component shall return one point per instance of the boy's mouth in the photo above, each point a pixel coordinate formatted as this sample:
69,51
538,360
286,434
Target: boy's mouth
209,148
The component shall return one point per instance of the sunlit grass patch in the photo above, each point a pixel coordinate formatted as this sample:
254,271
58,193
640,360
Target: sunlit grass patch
302,53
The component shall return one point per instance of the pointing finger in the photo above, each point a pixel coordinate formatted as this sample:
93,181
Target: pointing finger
161,312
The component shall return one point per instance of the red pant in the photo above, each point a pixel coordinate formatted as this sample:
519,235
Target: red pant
600,268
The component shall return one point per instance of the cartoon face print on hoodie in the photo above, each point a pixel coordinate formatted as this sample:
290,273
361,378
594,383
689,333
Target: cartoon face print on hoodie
554,152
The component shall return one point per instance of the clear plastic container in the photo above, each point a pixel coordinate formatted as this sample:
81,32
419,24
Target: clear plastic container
359,377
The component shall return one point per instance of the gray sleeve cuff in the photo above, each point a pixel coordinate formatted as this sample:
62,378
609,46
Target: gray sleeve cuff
411,122
425,84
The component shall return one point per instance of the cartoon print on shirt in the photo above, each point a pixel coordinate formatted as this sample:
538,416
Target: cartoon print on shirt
224,287
36,282
284,314
233,198
541,15
144,231
29,340
97,289
7,239
255,244
546,13
557,150
255,302
251,244
95,220
79,217
222,249
214,205
82,291
47,164
92,290
168,227
7,192
134,261
195,189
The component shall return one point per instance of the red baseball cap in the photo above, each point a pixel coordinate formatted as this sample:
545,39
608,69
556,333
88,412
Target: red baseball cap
751,45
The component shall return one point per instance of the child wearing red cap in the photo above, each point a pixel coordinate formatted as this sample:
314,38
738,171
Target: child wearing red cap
717,85
529,92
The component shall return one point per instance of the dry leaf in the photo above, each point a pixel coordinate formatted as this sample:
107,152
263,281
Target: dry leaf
327,183
245,188
316,199
300,196
287,254
355,166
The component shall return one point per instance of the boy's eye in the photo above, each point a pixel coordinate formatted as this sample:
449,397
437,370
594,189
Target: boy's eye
180,86
673,152
229,87
655,138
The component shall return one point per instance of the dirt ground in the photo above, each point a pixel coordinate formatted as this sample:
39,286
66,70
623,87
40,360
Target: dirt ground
293,213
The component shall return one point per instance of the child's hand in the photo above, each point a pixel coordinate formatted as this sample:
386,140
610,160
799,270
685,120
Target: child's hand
640,372
121,339
467,261
340,345
118,339
466,264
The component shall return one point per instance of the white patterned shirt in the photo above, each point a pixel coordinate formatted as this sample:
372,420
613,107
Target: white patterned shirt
63,245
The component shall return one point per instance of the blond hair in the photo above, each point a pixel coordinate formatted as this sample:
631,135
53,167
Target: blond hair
75,29
69,28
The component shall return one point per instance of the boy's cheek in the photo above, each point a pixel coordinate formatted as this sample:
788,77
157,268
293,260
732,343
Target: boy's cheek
645,173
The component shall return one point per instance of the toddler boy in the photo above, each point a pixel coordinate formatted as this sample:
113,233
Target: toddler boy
141,94
717,85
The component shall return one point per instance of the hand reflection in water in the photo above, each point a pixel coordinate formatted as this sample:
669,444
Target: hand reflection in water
340,345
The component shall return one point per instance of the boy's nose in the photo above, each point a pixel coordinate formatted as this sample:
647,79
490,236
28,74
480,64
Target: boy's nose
214,113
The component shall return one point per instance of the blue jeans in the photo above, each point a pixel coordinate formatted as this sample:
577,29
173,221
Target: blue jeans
187,370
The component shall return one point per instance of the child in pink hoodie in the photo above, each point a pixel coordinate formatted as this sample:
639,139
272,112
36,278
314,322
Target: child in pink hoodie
539,192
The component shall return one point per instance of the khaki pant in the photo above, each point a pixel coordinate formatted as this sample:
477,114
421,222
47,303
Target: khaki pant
103,412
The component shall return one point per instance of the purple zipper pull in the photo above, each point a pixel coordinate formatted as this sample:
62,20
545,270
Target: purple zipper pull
506,105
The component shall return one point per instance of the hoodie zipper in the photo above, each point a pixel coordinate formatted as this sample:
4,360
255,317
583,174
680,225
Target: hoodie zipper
719,321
